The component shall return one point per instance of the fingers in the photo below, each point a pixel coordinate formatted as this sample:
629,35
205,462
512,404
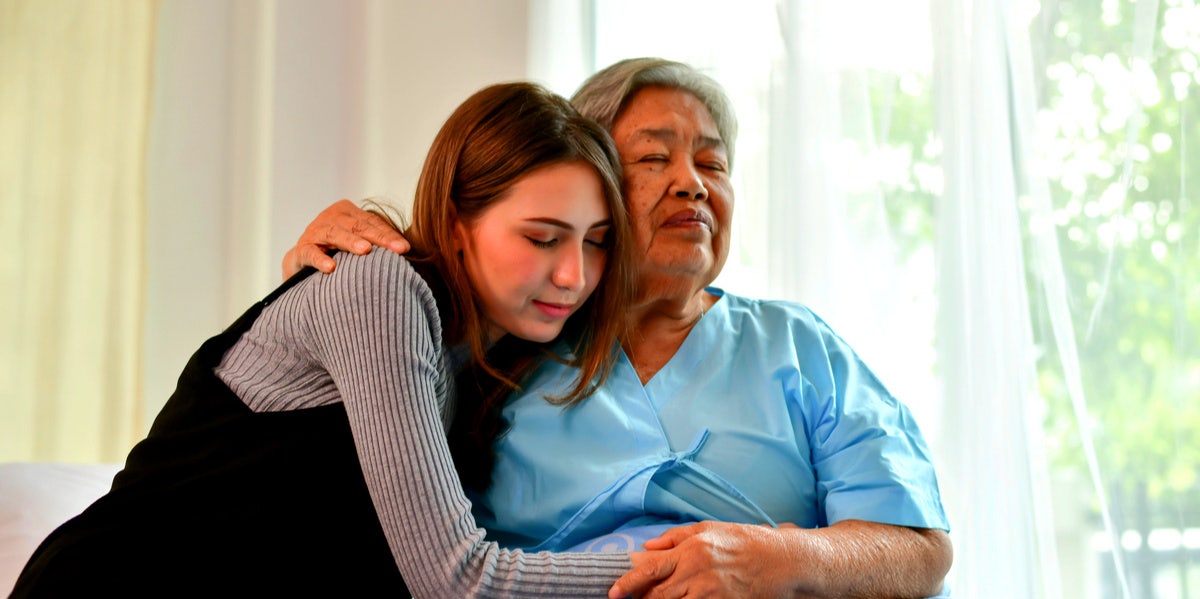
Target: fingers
348,227
668,591
673,537
334,235
648,568
341,226
291,263
306,255
377,231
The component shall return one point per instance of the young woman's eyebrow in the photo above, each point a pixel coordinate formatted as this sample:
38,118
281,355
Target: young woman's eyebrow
565,225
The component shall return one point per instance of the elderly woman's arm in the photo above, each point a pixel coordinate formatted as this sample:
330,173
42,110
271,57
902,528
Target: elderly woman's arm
851,558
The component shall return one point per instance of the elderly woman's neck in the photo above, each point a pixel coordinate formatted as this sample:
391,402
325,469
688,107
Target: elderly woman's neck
659,325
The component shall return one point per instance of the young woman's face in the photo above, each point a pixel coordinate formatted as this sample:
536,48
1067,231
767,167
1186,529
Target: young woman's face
535,255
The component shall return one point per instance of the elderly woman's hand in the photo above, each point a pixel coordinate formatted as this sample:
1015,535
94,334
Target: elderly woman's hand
342,226
851,558
713,559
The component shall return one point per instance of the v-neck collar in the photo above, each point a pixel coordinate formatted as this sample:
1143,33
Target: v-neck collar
698,344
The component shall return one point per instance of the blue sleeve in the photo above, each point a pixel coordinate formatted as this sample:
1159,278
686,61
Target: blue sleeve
870,458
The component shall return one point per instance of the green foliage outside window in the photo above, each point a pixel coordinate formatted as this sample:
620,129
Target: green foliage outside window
1132,266
1131,260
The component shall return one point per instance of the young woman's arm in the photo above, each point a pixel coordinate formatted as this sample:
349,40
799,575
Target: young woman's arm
375,327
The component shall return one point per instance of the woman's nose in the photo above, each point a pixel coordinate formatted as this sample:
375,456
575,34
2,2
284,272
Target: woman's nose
568,272
687,183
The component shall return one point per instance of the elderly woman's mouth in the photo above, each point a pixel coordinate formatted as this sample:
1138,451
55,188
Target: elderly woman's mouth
689,218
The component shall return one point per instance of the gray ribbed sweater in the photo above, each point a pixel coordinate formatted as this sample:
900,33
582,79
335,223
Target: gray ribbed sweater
369,336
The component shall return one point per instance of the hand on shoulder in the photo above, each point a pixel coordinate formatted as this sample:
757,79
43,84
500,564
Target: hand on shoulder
342,226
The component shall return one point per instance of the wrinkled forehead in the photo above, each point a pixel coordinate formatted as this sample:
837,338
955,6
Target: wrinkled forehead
668,115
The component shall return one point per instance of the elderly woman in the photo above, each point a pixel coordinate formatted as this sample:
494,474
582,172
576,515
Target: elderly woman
742,441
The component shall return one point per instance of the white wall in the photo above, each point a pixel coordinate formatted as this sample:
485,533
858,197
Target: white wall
266,112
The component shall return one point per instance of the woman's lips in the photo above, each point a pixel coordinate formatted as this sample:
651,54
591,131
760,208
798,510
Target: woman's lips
689,218
554,310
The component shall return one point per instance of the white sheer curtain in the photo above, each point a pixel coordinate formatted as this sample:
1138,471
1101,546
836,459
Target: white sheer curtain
828,241
819,86
809,223
830,246
996,475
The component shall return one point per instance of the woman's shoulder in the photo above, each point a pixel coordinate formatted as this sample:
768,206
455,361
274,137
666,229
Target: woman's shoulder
379,269
774,316
759,309
816,345
366,294
368,283
377,258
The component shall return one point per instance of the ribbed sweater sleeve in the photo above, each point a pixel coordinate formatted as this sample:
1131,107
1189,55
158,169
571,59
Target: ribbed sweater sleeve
373,326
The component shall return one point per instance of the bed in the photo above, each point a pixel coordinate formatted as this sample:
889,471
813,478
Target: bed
35,497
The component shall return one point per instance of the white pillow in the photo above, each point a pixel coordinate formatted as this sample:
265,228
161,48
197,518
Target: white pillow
34,499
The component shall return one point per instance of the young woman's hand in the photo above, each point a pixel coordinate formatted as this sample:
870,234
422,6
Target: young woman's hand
341,226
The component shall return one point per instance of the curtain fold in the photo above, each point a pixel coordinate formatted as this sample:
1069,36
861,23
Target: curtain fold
823,187
826,237
75,81
996,474
1047,262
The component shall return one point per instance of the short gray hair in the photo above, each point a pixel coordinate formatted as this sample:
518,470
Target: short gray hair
604,94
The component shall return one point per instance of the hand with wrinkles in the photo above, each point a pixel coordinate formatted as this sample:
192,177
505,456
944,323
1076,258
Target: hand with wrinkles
708,559
722,559
341,226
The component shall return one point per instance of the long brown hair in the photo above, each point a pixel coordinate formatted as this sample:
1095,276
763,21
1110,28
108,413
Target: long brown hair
493,139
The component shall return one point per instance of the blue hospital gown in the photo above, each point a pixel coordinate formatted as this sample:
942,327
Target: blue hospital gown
764,416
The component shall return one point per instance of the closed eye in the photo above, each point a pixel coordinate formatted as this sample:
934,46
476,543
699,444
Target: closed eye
540,243
599,235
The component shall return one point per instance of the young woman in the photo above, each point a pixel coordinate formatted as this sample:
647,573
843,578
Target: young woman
304,451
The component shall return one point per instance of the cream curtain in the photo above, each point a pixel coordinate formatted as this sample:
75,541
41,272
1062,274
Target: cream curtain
75,81
157,157
267,111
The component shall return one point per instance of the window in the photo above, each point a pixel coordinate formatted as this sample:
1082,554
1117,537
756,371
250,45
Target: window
1080,128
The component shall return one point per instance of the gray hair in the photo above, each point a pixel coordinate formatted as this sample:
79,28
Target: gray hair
604,94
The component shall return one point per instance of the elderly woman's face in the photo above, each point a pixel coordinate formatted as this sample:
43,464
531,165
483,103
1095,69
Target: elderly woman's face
676,185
